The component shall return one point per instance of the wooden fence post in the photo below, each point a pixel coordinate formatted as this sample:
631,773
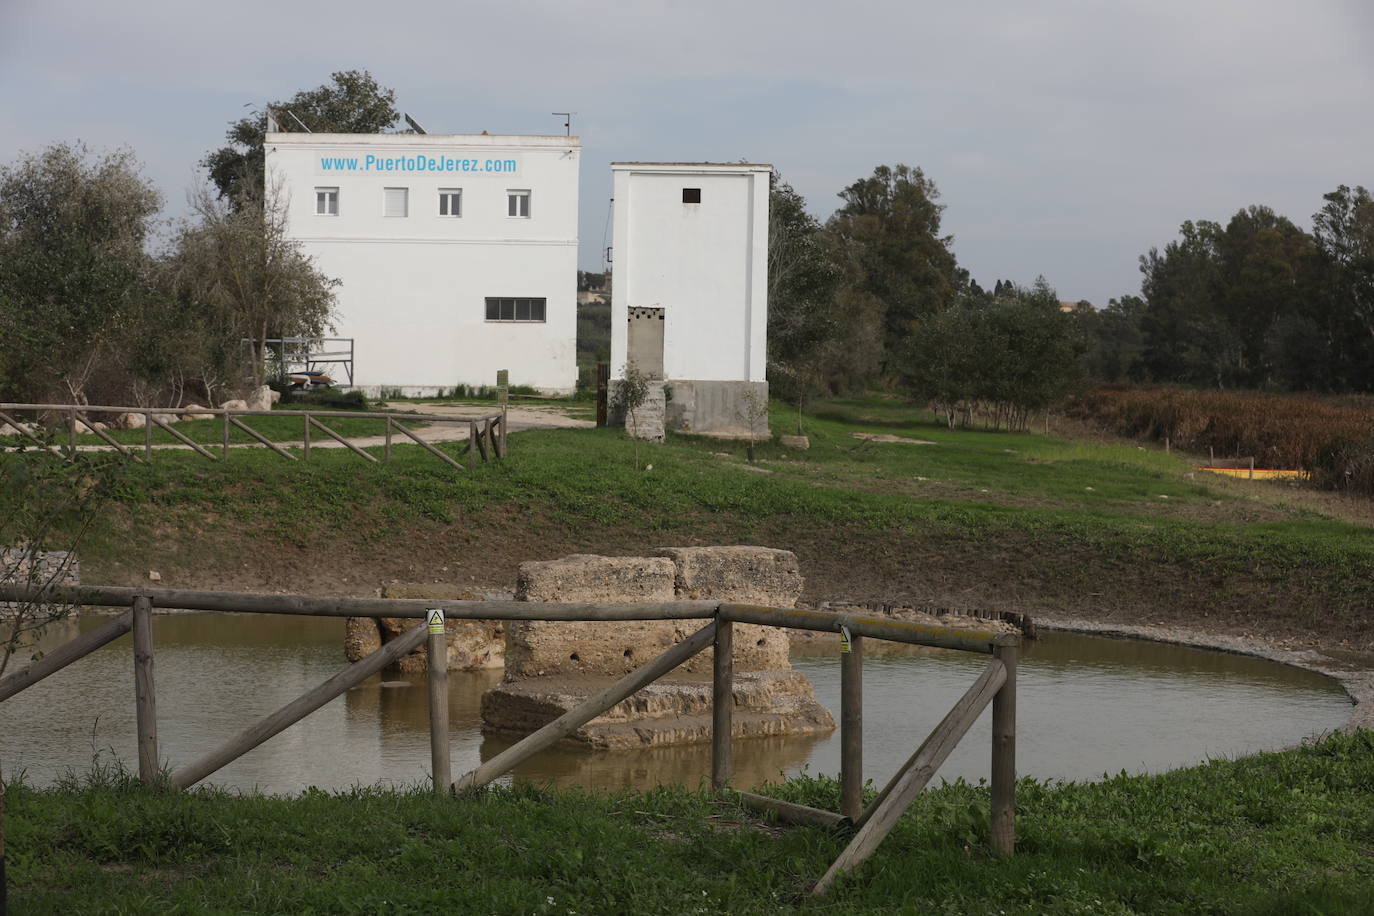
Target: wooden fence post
145,698
1003,817
148,434
388,440
71,430
224,451
722,705
852,727
472,444
305,452
437,665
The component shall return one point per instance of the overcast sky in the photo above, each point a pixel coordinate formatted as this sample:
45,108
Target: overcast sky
1066,136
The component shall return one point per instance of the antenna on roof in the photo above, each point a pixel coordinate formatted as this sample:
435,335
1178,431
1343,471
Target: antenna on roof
272,126
567,121
298,120
414,125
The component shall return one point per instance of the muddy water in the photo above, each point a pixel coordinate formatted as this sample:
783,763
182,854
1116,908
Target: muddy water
1087,706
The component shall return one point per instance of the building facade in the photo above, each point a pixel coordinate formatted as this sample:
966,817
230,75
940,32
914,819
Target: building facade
456,255
689,303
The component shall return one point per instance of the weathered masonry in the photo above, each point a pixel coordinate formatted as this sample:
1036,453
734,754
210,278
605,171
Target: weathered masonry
457,255
689,304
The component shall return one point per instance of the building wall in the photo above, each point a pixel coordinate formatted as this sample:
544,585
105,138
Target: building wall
705,264
413,289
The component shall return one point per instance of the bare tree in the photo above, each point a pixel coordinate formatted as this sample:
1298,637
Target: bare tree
240,264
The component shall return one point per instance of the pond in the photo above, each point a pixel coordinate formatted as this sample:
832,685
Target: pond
1087,706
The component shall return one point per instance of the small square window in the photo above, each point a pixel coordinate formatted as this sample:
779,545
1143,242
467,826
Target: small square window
450,201
396,202
691,195
518,204
326,201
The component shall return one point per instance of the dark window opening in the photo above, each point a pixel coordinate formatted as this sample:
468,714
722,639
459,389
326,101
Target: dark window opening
691,195
527,309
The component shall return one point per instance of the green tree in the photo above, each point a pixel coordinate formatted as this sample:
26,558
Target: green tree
1006,358
1344,233
351,103
73,266
803,322
889,225
1113,340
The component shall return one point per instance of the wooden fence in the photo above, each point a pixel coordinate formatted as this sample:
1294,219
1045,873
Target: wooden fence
866,826
486,433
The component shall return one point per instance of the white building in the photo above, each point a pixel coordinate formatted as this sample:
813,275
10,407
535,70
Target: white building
689,303
457,255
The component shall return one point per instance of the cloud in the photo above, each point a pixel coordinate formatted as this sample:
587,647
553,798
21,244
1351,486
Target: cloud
1067,136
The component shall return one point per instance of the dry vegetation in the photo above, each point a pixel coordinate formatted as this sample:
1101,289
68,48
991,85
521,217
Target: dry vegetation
1333,437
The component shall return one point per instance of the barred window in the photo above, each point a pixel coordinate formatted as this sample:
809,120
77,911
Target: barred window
516,309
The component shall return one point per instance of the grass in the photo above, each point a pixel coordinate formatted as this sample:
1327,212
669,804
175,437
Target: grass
1281,833
1059,521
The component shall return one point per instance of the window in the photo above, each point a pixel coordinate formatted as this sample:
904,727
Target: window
450,201
397,202
691,195
515,309
326,201
518,204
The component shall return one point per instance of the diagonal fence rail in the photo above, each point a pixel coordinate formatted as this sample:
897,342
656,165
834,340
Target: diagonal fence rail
866,825
486,441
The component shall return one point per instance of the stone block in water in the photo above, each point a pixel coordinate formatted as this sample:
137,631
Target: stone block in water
667,712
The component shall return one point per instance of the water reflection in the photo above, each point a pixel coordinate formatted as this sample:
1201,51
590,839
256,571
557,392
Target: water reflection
1088,705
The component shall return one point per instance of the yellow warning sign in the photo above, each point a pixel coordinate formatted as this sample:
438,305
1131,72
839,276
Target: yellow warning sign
845,644
435,618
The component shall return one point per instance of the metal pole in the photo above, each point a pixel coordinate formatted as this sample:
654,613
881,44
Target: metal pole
145,698
1003,817
438,703
851,726
722,705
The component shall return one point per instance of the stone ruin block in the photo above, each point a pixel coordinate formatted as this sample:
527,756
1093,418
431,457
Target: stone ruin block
539,647
743,575
675,711
551,667
473,645
23,566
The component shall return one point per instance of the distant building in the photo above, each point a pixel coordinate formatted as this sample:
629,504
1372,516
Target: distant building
457,255
690,299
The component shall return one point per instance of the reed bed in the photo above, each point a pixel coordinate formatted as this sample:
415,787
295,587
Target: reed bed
1332,437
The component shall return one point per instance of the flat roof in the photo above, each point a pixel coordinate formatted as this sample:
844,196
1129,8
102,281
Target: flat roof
714,165
322,139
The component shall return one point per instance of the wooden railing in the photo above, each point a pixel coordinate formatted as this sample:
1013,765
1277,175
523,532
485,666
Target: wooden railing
486,433
867,825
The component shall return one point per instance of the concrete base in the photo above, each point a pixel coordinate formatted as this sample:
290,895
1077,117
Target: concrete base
738,408
677,711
